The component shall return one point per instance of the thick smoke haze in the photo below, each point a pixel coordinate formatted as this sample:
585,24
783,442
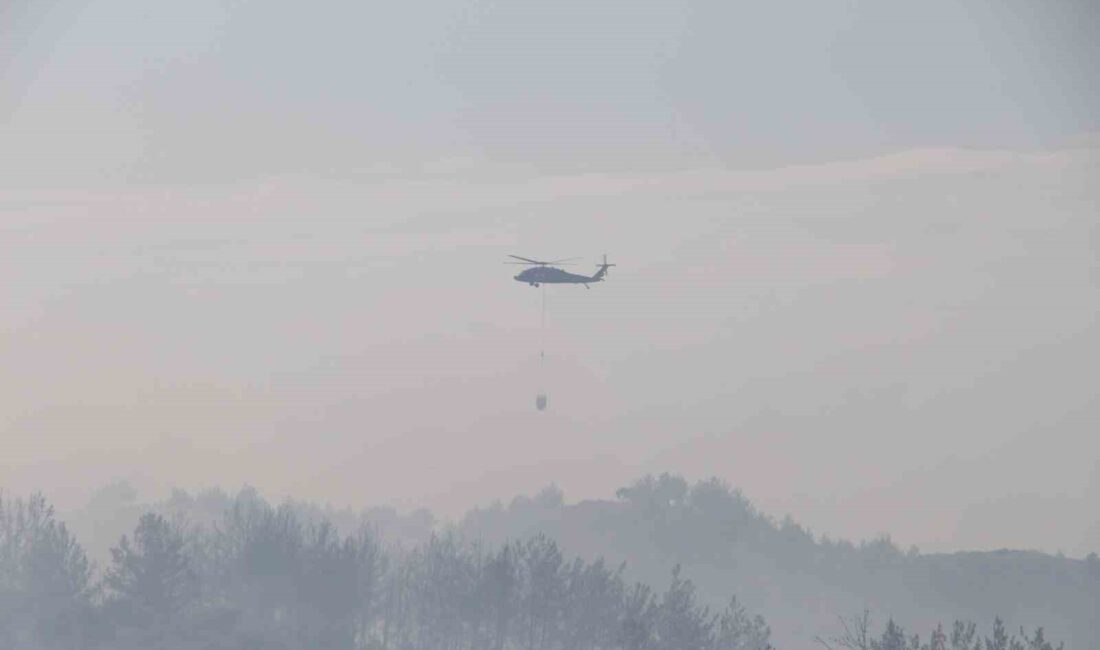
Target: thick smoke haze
857,246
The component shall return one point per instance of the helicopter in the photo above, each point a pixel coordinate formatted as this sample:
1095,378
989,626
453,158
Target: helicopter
548,273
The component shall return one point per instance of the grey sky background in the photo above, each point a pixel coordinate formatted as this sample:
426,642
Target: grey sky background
254,242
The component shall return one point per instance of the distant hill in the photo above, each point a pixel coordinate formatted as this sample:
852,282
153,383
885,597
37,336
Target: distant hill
800,583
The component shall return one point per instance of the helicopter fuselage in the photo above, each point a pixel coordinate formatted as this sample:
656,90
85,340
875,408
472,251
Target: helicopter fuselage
550,275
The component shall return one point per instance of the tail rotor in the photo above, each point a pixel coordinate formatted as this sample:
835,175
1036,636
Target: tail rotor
602,269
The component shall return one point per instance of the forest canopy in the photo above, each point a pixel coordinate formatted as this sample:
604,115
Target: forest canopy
219,571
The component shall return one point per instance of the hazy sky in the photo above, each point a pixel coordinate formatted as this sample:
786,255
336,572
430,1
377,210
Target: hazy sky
858,243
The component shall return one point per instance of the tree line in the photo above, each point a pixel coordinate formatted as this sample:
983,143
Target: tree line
266,577
262,577
857,634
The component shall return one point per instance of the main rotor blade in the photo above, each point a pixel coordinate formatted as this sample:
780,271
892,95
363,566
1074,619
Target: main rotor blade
537,264
568,259
528,260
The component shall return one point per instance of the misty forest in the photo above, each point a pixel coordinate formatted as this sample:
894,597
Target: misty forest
549,325
216,571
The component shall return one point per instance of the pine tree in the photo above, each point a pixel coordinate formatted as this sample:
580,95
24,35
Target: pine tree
151,583
739,631
45,580
893,637
1000,637
964,636
682,624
